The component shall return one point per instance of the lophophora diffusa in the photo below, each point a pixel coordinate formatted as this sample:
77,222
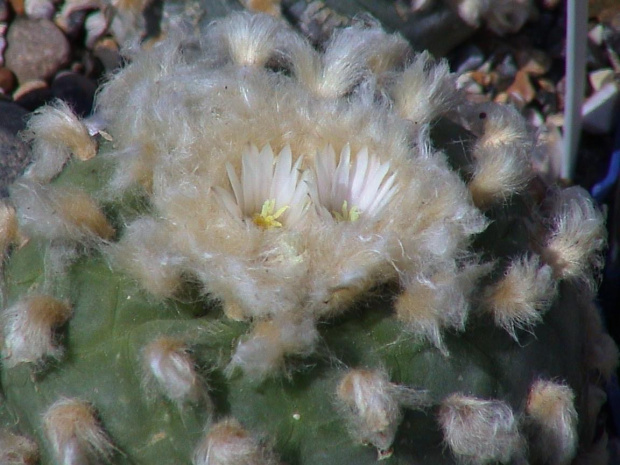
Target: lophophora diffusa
261,252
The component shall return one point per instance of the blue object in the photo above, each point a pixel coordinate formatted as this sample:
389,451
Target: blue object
600,190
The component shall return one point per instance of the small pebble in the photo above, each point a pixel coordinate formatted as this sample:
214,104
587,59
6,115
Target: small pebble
3,29
5,12
467,58
36,49
555,119
73,13
600,108
14,152
107,51
32,94
96,24
75,89
12,117
597,35
7,80
39,9
521,91
467,83
502,97
507,68
601,77
17,6
535,62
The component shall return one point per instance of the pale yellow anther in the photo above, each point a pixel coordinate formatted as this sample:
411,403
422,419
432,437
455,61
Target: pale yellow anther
267,218
347,214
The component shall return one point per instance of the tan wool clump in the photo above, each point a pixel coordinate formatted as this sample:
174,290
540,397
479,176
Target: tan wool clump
480,431
56,134
228,443
59,214
552,420
75,434
169,365
8,226
373,406
576,237
17,450
29,329
520,298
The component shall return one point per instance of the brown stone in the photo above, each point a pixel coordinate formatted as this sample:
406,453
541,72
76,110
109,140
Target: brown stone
7,80
534,61
36,49
521,91
17,6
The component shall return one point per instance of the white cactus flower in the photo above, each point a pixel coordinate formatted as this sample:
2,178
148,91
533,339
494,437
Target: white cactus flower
269,193
356,187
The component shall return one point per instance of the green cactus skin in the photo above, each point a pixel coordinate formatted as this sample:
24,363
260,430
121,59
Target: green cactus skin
294,412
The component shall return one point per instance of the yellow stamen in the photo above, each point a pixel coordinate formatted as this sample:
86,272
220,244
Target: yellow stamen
347,215
267,219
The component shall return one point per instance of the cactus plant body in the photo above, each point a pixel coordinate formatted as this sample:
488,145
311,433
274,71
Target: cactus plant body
260,253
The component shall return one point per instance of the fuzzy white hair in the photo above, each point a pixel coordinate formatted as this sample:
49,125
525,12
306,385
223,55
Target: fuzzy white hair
480,431
552,422
17,450
372,405
522,296
75,434
228,443
29,329
576,236
169,365
56,133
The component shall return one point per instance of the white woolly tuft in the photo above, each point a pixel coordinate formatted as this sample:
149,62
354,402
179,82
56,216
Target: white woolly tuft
144,252
353,55
522,296
17,450
502,157
429,305
425,90
577,236
372,406
168,362
75,434
552,422
28,328
247,39
479,431
270,341
228,443
56,133
59,214
8,226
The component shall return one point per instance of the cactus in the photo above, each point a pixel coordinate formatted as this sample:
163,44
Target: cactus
260,253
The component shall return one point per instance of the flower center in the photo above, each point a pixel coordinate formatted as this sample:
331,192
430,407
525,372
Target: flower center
267,218
346,214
